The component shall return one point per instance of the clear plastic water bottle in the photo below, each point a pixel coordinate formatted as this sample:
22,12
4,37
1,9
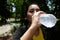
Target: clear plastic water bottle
48,20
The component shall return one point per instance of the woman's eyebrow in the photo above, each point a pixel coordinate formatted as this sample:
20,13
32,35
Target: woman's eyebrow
32,9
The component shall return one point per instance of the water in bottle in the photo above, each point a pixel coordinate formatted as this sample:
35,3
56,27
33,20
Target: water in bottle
48,20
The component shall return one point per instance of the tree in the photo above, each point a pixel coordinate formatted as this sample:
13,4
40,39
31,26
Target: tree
4,12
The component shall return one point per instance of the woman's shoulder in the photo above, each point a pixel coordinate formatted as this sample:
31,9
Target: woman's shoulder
19,32
21,29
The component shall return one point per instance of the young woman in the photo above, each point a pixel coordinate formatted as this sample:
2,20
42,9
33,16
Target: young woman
31,28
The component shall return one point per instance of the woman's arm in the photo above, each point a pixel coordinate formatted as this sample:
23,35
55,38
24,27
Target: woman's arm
29,33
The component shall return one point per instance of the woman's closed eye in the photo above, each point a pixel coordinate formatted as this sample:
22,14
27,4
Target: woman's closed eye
31,11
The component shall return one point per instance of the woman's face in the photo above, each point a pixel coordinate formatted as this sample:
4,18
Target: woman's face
31,9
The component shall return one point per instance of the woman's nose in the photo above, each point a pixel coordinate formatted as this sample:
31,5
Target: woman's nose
35,11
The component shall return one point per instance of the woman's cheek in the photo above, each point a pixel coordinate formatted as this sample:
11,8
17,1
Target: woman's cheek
29,16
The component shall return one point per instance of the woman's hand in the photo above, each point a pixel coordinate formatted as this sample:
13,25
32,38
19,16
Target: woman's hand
36,17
